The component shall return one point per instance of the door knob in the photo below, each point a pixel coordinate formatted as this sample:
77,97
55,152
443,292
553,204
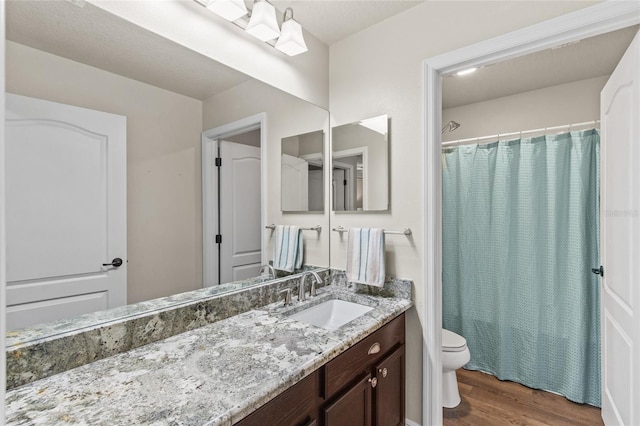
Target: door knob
373,381
115,263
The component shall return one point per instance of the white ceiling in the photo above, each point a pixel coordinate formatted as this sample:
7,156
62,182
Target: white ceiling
94,37
333,20
592,57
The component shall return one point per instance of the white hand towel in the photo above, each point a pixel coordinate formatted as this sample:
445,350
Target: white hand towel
287,248
365,256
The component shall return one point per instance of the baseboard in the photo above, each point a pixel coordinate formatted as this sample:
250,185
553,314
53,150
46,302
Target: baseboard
408,422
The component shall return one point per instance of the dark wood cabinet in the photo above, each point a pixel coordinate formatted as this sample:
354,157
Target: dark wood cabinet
297,406
365,386
389,395
353,408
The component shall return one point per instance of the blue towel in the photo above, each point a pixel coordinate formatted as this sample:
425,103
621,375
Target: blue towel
287,248
365,256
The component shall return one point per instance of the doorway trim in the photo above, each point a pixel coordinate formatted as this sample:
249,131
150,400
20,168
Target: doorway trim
210,184
588,22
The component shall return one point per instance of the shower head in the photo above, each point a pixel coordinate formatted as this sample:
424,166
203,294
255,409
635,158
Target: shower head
450,126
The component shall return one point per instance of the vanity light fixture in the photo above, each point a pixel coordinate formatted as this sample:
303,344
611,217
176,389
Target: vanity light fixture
228,9
263,24
291,40
467,71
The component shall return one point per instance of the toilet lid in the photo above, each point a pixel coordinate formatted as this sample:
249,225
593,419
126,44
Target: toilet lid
452,342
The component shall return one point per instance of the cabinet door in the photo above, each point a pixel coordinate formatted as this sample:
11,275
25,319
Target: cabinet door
389,396
297,406
353,408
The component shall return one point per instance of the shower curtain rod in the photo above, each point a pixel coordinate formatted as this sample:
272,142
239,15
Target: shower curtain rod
502,135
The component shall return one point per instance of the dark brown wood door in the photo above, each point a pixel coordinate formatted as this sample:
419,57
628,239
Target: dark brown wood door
388,395
353,408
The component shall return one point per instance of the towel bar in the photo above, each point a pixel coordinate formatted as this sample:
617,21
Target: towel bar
405,231
313,228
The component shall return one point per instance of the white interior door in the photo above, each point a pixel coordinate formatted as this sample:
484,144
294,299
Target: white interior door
338,184
240,249
620,241
316,193
295,184
65,210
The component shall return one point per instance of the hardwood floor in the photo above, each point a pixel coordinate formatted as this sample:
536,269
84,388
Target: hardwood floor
489,401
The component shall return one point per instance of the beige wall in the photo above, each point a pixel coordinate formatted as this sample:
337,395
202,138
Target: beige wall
286,116
163,163
378,71
569,103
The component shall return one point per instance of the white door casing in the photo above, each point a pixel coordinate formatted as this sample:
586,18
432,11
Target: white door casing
240,221
620,240
295,184
66,210
210,191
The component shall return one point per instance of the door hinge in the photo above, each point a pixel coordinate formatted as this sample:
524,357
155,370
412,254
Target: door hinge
218,162
344,182
598,271
218,239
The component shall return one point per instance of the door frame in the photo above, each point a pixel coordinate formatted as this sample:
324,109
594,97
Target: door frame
3,276
364,151
588,22
210,185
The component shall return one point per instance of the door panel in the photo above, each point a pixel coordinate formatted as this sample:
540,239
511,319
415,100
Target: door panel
240,220
389,393
295,183
353,408
620,240
66,210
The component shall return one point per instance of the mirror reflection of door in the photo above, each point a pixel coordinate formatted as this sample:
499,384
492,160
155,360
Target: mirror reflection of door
295,183
302,172
66,211
240,207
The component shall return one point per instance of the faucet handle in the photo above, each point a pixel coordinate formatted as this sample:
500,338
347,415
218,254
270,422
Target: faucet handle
287,296
312,290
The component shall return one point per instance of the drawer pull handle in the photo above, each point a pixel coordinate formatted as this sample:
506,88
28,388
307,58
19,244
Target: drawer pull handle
374,349
383,371
374,382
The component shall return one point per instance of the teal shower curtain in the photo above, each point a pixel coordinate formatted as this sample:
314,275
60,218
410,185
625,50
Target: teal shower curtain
520,233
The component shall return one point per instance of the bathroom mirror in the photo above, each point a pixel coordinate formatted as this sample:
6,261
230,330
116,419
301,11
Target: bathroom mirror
302,173
360,165
89,58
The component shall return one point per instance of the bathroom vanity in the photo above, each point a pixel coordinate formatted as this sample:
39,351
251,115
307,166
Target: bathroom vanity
260,366
364,385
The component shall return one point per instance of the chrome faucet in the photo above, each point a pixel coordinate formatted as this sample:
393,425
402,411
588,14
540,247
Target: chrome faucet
270,268
301,288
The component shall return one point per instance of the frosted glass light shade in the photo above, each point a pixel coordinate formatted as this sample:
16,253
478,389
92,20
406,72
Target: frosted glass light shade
291,40
263,24
228,9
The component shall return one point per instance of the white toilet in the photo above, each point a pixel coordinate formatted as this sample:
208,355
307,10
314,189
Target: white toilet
455,354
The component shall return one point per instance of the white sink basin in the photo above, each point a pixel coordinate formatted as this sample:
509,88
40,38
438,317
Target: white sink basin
332,314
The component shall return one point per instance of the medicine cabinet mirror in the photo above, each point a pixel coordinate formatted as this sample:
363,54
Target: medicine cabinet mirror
302,173
360,165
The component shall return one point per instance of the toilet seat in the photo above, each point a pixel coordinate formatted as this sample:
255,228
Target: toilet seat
452,342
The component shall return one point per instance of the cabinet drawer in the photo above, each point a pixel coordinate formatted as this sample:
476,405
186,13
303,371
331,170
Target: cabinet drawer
358,359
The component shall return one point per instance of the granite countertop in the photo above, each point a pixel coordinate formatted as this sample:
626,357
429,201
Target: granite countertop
214,375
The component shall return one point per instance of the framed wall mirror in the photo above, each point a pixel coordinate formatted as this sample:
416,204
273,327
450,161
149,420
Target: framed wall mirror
302,173
360,165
